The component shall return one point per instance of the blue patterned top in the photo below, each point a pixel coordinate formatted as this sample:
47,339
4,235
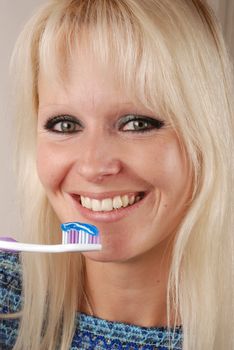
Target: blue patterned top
91,333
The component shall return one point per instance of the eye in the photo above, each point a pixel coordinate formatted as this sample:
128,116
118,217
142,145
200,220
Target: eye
64,124
140,124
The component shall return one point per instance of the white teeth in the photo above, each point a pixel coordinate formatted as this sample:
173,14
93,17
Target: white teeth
109,204
131,200
117,202
82,199
96,205
125,200
86,202
137,199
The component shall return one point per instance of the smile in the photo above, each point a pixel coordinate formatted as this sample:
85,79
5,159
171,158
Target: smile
110,203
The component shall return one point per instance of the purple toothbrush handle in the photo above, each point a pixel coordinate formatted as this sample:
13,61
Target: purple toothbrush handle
8,239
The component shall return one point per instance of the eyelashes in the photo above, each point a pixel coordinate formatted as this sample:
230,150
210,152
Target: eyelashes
64,124
130,123
138,123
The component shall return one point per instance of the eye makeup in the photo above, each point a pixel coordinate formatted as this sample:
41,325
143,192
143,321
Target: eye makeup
131,123
65,124
139,123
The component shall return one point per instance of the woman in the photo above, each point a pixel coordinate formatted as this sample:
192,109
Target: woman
126,122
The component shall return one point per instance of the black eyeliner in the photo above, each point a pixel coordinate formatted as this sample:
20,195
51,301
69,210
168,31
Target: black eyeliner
51,122
156,123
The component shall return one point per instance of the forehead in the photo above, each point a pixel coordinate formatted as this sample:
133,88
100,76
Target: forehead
83,76
83,70
87,88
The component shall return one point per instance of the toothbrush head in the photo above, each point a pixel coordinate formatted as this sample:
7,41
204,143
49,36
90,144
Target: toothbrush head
79,233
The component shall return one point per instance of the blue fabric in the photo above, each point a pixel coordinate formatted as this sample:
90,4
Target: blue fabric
98,334
10,297
90,332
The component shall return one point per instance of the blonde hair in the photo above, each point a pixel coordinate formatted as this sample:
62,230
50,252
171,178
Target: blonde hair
171,55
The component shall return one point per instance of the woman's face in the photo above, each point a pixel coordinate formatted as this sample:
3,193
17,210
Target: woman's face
105,160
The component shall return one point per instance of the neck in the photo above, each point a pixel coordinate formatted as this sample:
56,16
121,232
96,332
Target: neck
133,292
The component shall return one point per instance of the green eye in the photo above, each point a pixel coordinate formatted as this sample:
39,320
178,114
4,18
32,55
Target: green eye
65,127
64,124
134,123
137,125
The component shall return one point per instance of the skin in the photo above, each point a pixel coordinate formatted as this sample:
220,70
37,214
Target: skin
105,158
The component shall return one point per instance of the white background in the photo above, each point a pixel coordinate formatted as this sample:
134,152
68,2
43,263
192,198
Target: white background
13,14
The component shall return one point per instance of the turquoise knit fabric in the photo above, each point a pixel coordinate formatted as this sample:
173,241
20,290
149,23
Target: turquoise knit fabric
90,332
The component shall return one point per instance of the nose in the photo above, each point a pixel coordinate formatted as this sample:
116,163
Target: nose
98,158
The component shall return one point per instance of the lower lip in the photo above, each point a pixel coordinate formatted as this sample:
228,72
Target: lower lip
107,216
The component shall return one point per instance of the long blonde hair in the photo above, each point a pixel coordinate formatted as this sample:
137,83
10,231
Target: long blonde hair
171,55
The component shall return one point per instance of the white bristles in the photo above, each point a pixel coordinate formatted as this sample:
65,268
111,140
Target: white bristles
78,237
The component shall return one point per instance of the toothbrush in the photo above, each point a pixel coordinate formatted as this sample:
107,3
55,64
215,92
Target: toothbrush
76,237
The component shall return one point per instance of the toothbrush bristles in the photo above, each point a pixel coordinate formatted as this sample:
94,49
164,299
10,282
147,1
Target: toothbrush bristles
79,237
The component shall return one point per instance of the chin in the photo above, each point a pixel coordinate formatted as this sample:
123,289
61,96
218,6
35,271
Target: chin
98,257
108,255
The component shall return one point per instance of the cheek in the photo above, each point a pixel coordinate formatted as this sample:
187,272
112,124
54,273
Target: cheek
51,166
164,166
174,172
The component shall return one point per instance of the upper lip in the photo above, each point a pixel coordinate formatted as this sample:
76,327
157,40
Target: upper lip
104,195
